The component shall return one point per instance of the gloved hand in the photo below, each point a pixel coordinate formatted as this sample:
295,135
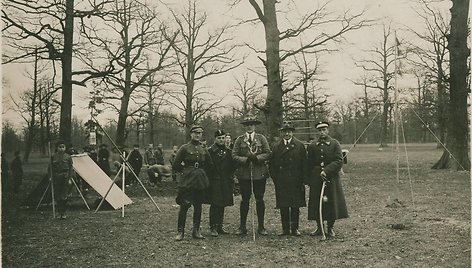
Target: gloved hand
252,158
323,176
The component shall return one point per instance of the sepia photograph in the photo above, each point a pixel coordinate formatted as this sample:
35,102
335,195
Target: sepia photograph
235,133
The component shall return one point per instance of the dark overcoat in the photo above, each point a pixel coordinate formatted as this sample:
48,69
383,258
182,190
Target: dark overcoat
104,160
287,169
242,149
329,153
135,159
195,164
221,182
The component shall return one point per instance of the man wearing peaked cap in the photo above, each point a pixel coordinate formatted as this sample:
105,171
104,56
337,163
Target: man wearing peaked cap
195,164
325,161
287,169
250,151
221,183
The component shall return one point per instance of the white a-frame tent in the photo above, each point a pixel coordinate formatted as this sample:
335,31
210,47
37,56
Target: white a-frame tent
99,181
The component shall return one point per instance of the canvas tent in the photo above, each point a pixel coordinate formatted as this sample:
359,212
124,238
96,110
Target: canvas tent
86,168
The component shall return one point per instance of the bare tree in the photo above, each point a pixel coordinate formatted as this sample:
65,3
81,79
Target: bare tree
246,93
200,53
50,24
458,127
382,67
433,57
319,28
134,38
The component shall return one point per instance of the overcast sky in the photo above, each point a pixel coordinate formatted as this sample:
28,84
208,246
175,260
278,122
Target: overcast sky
338,66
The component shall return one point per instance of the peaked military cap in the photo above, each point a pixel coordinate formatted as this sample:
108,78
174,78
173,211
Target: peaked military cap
321,124
219,132
250,120
287,126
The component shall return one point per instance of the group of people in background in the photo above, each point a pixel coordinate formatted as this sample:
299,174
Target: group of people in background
207,178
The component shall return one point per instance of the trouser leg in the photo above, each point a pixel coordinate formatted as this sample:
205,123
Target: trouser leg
284,215
294,218
245,188
259,190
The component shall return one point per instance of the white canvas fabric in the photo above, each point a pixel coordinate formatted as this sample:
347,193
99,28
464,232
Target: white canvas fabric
99,180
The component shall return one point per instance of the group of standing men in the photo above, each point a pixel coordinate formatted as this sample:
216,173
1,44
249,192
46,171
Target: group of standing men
207,177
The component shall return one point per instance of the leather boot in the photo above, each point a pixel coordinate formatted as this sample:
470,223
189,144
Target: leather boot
330,232
284,216
260,209
182,218
180,234
213,231
196,233
221,230
243,211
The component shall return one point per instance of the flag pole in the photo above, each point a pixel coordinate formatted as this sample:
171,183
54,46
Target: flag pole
397,149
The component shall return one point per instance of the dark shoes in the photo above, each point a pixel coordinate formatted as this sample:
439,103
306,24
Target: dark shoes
316,232
241,231
330,232
295,232
213,232
196,234
179,236
222,231
262,231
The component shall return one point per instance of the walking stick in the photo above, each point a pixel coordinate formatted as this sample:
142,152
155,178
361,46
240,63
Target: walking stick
252,208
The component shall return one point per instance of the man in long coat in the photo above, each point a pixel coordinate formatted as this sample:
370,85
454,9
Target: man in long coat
135,159
221,183
250,151
325,161
104,159
287,169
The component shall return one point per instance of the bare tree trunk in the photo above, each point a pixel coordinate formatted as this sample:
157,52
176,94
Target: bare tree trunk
273,107
457,138
65,128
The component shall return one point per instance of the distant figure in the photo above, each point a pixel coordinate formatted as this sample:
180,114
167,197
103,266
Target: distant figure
150,160
17,172
5,177
61,172
93,153
104,159
135,159
175,148
159,154
229,141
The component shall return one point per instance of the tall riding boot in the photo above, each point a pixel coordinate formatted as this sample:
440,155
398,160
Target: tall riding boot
181,223
331,228
294,220
284,215
260,209
221,215
197,215
213,220
243,211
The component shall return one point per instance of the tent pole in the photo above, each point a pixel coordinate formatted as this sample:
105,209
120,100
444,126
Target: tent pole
123,186
108,191
51,181
80,193
127,164
44,194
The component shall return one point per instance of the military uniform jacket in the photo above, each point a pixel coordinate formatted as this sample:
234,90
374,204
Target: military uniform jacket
221,183
61,165
242,148
327,152
287,169
194,162
149,157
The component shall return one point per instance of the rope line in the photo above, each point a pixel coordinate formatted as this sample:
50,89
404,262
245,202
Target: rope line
407,162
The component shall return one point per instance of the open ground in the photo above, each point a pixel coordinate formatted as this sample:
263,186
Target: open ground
432,229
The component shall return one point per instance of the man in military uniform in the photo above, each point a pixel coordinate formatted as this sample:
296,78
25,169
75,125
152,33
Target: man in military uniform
61,171
325,160
287,169
194,162
250,151
221,183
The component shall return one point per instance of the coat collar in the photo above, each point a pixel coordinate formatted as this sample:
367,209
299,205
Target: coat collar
326,141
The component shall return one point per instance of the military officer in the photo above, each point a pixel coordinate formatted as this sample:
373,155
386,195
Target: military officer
195,164
287,169
61,171
221,183
250,151
325,161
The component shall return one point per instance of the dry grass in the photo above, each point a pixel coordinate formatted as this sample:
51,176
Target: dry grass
435,232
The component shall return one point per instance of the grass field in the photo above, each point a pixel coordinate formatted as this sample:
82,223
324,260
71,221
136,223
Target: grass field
434,221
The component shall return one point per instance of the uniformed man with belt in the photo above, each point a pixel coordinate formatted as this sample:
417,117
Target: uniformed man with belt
250,151
61,168
195,163
325,161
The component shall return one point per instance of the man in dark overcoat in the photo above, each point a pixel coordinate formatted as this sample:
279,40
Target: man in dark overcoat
221,183
195,164
325,161
287,169
135,159
250,151
104,159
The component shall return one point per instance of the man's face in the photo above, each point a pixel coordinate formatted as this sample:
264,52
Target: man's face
61,148
159,146
228,139
250,127
288,134
175,148
323,132
196,135
220,140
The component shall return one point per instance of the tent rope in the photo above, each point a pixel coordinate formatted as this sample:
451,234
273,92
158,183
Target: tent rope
442,144
407,162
